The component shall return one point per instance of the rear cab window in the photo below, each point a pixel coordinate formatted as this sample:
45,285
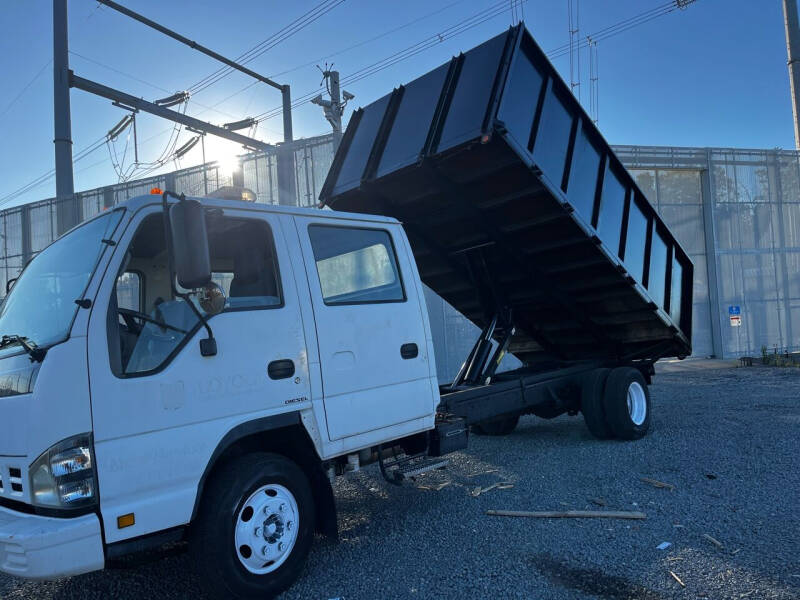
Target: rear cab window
356,265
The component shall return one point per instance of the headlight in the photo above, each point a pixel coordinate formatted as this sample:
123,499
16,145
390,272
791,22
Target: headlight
63,476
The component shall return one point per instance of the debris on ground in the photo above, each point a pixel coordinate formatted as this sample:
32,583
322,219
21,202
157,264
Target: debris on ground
658,484
436,487
714,541
678,579
663,545
500,485
598,501
570,514
487,472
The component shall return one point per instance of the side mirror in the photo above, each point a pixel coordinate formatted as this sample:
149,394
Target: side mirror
212,299
190,244
10,284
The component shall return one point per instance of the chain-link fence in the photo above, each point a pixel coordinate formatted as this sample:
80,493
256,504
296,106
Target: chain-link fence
735,212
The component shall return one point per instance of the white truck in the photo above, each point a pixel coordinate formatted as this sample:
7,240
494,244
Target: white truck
184,368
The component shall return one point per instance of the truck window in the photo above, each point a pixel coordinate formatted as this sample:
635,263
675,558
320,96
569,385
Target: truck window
154,328
129,291
356,265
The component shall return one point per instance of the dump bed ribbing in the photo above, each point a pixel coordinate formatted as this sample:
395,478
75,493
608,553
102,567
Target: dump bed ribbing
514,203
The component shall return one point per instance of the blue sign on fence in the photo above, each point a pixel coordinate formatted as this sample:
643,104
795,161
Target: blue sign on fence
734,310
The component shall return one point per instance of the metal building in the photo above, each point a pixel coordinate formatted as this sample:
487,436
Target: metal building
736,212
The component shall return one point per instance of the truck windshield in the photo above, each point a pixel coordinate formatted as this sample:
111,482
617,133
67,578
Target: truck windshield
41,305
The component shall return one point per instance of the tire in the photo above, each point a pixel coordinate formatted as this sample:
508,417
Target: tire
501,426
223,546
594,414
627,403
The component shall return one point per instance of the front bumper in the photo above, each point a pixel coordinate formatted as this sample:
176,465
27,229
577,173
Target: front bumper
38,547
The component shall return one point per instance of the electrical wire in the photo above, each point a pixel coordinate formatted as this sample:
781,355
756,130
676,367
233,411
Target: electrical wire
462,26
342,51
388,32
469,23
624,25
88,150
25,89
94,146
276,38
148,83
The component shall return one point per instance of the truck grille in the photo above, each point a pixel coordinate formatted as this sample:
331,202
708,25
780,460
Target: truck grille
11,481
15,479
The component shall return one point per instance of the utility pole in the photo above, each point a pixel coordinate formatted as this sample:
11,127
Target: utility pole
62,128
285,167
333,108
793,50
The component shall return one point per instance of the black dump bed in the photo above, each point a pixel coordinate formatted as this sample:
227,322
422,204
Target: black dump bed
511,198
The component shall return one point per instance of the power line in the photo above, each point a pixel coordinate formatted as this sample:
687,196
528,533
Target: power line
462,26
50,174
342,51
487,14
38,74
370,40
624,25
145,82
280,36
25,89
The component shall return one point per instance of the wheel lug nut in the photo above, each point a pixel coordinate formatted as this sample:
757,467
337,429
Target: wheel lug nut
280,546
258,532
282,507
288,525
264,550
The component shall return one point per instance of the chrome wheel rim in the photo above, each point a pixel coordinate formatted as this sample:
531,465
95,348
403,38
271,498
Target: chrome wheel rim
637,403
266,529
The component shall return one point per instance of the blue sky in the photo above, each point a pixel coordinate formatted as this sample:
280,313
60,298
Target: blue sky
713,74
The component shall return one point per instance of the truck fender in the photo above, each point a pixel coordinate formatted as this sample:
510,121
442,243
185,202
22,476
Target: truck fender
283,434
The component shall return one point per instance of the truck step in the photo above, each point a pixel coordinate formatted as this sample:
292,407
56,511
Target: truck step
397,470
418,467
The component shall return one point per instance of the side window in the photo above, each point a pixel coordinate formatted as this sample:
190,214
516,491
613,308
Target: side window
356,265
153,322
129,291
243,262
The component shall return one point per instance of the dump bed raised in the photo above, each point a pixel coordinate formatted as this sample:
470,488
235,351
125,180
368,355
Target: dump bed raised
514,203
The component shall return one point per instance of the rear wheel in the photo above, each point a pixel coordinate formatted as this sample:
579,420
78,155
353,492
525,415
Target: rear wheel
594,414
254,528
501,426
627,403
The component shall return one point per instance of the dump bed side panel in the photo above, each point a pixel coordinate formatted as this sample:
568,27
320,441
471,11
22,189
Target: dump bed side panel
512,199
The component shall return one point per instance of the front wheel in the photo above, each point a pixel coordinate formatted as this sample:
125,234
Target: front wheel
627,403
254,528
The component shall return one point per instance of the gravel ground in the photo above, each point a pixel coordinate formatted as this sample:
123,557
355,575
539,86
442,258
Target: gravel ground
726,439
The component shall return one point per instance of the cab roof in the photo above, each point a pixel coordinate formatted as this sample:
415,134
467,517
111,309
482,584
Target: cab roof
138,202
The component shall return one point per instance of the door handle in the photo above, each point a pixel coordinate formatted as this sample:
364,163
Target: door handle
408,351
280,369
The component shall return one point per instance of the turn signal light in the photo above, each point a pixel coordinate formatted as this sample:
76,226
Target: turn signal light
156,191
125,521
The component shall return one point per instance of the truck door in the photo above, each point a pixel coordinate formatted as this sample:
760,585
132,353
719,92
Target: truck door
374,357
159,407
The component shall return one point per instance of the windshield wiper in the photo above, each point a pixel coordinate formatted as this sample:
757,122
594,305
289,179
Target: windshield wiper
29,346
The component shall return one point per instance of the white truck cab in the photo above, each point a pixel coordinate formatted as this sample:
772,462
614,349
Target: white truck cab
211,363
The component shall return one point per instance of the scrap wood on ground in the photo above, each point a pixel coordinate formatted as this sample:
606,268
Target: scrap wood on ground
570,514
